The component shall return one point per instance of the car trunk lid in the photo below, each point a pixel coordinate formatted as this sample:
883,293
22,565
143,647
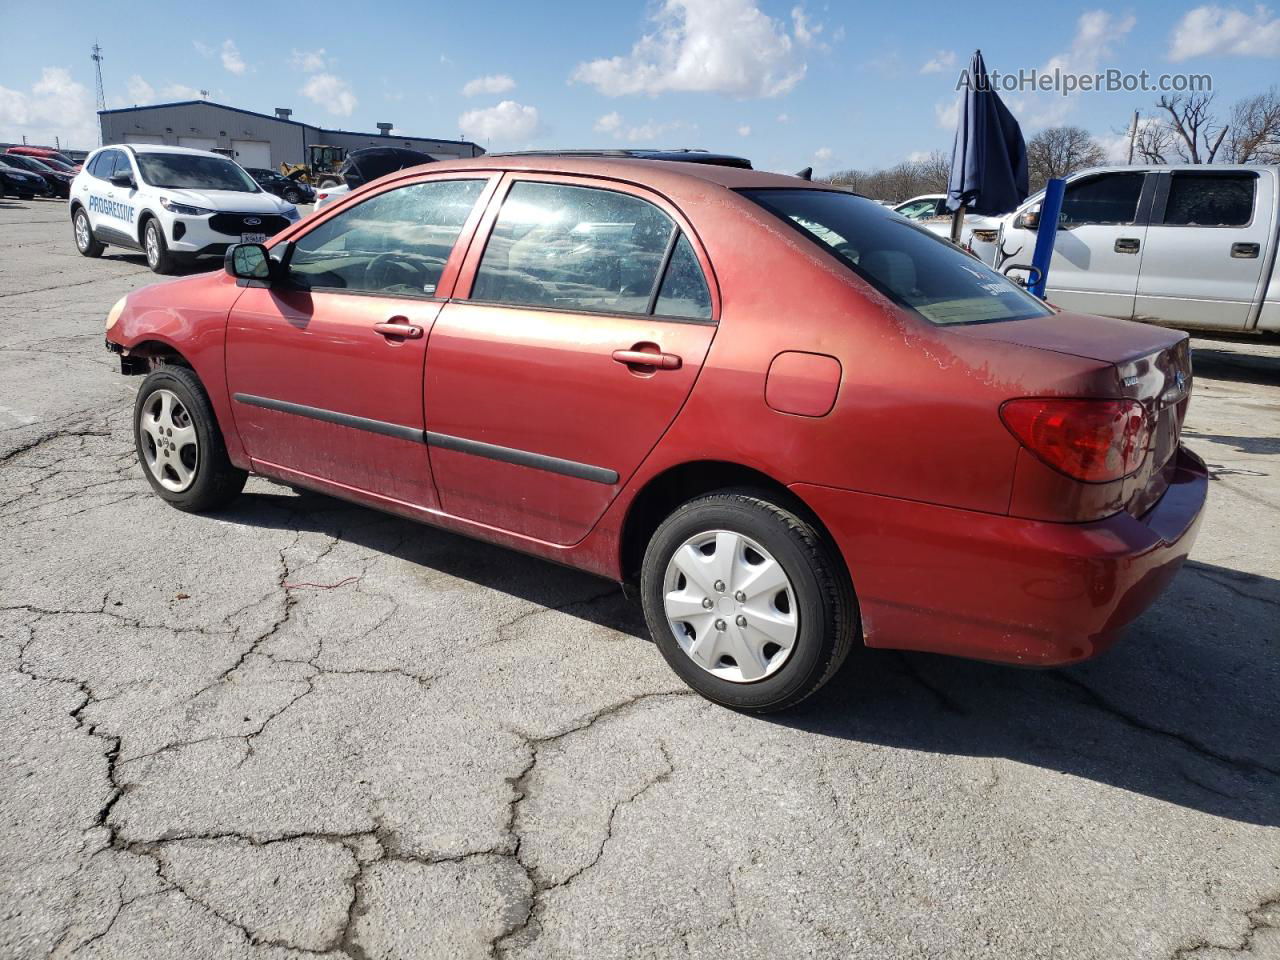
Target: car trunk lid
1152,365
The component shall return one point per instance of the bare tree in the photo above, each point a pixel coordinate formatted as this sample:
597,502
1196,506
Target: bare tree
901,181
1255,129
1154,141
1197,133
1059,151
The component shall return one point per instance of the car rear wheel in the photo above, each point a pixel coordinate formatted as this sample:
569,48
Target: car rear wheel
293,196
159,259
747,601
85,241
179,443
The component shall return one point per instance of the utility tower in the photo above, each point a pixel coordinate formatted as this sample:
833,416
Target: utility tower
96,57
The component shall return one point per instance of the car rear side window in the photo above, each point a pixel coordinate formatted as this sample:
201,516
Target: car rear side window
900,259
577,248
1210,199
104,164
395,243
684,290
1110,198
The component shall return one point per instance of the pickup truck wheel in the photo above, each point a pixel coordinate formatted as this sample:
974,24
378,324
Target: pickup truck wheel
85,241
747,601
180,445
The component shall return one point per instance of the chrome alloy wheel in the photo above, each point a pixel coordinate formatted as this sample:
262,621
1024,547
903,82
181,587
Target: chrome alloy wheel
82,232
169,443
153,244
730,606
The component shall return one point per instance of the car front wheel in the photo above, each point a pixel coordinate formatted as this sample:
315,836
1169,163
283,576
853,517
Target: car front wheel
179,443
159,259
747,601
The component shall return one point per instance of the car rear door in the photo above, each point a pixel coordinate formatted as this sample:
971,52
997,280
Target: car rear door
581,325
1206,246
325,366
1098,250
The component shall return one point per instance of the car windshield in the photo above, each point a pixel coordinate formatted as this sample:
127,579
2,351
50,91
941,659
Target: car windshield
55,165
903,261
187,171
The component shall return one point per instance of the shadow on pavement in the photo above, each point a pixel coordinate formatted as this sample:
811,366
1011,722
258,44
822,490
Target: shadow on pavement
1183,709
1221,362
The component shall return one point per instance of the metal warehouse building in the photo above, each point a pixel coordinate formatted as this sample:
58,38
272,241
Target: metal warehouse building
254,139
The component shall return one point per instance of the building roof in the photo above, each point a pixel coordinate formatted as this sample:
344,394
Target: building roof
268,116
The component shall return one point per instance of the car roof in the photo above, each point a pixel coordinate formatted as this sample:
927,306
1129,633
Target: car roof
659,174
164,148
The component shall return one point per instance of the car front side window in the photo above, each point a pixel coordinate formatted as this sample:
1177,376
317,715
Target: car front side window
395,243
1108,199
574,248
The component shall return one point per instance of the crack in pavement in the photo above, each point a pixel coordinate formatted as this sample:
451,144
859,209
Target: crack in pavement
1265,915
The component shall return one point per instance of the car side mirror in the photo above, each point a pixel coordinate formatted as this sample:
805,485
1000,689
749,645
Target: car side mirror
122,179
248,261
1028,220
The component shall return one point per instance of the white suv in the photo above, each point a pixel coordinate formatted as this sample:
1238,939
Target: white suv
172,203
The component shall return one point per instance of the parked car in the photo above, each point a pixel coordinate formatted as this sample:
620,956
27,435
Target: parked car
58,184
367,165
283,187
930,211
1192,247
793,419
44,153
172,203
20,183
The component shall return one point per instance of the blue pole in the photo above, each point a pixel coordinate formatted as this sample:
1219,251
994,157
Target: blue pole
1046,233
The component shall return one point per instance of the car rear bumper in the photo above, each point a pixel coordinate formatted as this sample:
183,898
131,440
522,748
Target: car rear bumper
1005,589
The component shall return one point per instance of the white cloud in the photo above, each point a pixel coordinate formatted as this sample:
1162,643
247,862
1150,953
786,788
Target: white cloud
807,32
609,123
490,83
702,46
942,60
917,156
56,109
505,122
203,49
947,114
744,130
823,156
332,93
308,61
1097,32
1219,31
784,118
232,62
140,91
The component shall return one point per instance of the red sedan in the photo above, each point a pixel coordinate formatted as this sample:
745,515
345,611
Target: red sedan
795,419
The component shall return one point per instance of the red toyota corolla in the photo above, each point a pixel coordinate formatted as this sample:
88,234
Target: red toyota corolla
795,419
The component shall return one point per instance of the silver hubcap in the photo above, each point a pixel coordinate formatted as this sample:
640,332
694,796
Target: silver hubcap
153,246
730,606
169,444
82,231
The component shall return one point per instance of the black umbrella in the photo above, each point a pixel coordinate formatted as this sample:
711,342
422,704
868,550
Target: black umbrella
363,166
989,159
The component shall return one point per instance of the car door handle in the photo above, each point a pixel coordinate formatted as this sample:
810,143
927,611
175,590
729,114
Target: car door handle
1245,251
397,328
647,358
1127,245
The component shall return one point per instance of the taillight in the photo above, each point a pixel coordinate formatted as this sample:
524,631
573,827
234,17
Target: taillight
1091,440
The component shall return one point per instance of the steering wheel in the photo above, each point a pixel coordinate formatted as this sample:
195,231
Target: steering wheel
393,269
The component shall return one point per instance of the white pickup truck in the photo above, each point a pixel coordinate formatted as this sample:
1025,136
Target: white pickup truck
1192,247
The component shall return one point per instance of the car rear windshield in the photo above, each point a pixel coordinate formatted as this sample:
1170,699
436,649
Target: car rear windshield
904,261
185,171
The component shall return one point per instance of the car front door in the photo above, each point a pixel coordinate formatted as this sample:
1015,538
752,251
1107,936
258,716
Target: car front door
325,365
1205,248
588,317
1098,249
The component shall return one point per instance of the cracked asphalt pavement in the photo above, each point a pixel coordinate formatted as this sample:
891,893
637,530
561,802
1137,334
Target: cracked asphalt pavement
302,728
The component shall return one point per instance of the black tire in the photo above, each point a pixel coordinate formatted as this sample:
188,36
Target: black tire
93,248
159,259
217,481
293,196
828,613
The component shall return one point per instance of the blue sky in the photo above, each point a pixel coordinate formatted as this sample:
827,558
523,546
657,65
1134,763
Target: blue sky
823,83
